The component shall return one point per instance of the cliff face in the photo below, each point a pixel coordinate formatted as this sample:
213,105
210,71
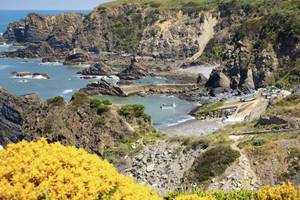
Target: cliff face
29,118
257,44
57,31
129,28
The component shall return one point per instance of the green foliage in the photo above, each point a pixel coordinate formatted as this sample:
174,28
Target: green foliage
102,106
102,109
56,101
79,99
100,121
212,163
102,10
213,106
134,111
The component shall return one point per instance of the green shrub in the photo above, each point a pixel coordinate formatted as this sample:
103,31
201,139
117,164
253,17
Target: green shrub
106,102
102,109
94,103
79,99
56,101
100,121
212,163
258,141
131,111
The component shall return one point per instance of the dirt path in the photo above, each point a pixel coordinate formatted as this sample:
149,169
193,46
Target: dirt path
239,175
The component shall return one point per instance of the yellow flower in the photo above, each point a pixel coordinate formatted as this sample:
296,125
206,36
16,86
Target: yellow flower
32,170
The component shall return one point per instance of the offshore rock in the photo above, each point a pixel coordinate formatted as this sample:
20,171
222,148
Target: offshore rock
98,69
77,59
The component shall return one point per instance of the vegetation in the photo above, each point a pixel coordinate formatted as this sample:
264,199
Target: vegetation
79,99
54,171
56,101
213,106
212,162
100,121
134,111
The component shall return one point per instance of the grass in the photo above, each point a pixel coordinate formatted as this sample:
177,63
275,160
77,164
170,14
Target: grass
262,139
134,111
213,106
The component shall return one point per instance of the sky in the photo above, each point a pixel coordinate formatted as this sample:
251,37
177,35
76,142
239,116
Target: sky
49,4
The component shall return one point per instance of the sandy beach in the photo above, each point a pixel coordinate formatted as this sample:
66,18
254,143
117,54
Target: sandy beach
194,127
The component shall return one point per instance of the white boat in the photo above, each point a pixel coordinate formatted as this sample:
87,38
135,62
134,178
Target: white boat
168,106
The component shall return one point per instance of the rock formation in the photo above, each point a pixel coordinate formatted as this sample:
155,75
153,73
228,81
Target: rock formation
102,87
98,69
134,71
77,58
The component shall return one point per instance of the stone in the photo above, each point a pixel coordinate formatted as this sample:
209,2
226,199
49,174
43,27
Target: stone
103,87
150,167
98,69
76,59
134,71
50,60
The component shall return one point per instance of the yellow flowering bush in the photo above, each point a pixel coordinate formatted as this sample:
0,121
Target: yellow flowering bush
38,170
281,192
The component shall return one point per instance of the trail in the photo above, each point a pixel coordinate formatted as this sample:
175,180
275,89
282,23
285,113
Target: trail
238,175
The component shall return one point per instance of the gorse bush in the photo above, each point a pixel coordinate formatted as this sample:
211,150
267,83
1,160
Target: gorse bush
37,170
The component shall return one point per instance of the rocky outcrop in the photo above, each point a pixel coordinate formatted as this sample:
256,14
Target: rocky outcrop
77,58
98,69
32,51
57,30
134,71
29,118
103,87
50,60
129,28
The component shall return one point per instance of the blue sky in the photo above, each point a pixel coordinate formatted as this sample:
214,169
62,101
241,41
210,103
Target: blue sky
49,4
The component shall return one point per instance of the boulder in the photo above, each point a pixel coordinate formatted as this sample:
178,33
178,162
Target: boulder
98,69
201,80
50,60
218,79
76,59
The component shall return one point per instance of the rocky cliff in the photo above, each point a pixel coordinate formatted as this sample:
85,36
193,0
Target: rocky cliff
256,42
79,123
131,28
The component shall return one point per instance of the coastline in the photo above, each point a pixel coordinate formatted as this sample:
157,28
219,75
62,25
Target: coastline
194,127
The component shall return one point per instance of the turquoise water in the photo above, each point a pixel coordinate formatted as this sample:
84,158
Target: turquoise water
161,117
7,16
63,79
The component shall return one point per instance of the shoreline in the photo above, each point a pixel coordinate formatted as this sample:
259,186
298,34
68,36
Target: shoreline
194,127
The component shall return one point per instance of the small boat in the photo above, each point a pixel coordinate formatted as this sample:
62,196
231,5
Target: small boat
168,106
